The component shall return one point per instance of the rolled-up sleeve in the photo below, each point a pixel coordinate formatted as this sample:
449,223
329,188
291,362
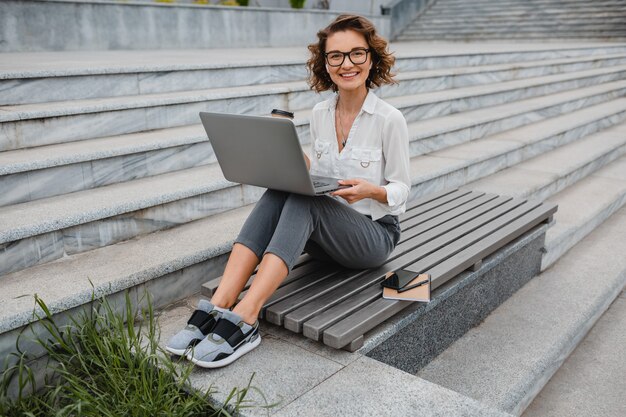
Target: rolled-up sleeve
397,161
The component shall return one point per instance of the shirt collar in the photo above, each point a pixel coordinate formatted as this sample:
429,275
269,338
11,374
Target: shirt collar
369,105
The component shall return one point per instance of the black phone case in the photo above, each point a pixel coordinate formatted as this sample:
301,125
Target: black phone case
399,279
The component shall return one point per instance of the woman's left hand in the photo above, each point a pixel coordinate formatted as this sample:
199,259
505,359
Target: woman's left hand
359,190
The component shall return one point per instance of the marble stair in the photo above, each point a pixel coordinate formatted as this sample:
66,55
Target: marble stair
514,19
123,192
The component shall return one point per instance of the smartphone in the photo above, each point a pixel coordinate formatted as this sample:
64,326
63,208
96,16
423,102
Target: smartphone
399,279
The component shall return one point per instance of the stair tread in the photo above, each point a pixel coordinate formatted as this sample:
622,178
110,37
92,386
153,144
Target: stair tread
55,213
73,63
116,267
65,108
506,360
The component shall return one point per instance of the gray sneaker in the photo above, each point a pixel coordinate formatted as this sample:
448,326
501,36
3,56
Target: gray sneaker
201,323
230,339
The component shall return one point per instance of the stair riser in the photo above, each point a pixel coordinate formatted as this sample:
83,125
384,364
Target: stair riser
557,249
595,36
453,3
420,146
42,183
47,131
422,112
61,88
545,192
38,132
516,11
457,178
47,247
517,29
451,61
517,23
535,19
420,85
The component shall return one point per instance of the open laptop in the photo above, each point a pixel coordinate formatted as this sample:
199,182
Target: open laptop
263,151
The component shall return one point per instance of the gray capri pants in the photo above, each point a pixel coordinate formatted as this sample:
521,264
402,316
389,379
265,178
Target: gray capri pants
287,224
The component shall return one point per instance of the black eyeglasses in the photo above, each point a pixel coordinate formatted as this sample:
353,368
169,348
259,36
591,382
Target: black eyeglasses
357,56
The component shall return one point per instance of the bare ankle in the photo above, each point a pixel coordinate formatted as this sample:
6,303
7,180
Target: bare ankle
246,315
221,303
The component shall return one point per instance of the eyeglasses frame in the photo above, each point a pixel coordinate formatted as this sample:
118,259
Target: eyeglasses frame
347,54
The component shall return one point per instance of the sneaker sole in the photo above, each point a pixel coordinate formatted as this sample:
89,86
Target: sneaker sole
179,352
226,361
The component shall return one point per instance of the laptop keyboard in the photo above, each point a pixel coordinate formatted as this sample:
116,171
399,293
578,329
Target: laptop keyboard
318,184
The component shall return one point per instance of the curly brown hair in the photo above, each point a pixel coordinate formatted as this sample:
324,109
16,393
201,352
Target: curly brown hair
382,59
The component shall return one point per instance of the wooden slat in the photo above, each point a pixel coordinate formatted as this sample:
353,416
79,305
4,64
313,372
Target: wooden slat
457,263
448,232
439,212
433,205
360,323
295,319
350,328
314,327
275,312
449,216
410,205
474,235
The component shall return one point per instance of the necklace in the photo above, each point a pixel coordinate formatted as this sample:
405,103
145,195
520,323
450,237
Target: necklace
344,139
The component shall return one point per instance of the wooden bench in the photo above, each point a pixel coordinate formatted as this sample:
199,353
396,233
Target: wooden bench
443,235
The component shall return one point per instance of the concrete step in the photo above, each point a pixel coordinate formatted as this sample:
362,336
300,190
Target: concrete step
54,76
499,10
591,380
507,360
43,124
456,77
479,22
463,164
171,265
581,208
451,3
488,37
441,132
496,10
519,29
48,229
415,55
83,165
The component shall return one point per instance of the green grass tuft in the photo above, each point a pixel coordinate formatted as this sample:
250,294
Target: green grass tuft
103,364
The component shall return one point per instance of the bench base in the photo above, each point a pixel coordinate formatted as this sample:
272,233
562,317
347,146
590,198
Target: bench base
422,331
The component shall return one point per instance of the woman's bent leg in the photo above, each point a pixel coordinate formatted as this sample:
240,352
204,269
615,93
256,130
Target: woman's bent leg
239,268
271,273
249,247
347,236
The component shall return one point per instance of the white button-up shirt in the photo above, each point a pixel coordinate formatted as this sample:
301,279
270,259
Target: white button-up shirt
377,150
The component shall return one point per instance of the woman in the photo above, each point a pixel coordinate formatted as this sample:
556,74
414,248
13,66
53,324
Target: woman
355,136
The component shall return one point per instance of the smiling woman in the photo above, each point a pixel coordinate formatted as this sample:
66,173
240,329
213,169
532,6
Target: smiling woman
355,136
